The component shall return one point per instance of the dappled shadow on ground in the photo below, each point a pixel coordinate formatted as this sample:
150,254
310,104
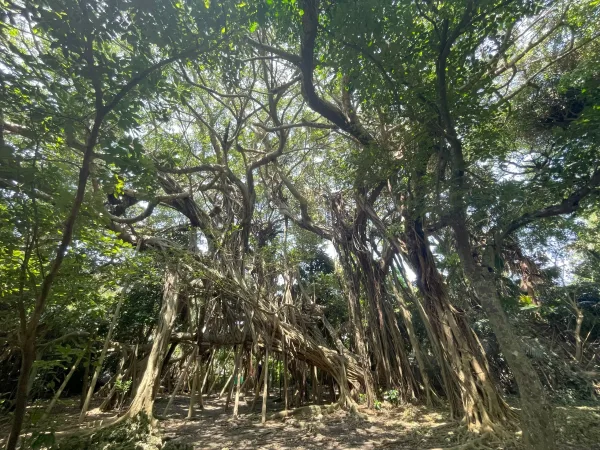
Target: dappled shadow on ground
407,427
410,427
64,415
401,428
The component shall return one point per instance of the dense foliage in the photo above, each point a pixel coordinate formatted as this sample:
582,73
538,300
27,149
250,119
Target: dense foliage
397,197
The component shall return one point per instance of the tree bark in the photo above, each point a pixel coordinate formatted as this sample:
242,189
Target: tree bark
414,341
148,387
536,412
352,289
29,329
470,384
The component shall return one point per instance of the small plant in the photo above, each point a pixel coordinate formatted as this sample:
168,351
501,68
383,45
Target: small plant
122,387
377,405
392,396
362,398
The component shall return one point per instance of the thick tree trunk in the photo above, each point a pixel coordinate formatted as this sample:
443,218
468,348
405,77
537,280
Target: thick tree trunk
27,359
536,412
469,379
148,387
536,416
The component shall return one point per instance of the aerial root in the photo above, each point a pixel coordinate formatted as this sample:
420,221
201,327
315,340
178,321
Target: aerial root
489,439
310,411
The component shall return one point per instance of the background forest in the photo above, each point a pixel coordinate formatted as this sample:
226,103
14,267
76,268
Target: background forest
351,202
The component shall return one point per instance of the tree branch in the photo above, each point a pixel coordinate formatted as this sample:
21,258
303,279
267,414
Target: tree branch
567,206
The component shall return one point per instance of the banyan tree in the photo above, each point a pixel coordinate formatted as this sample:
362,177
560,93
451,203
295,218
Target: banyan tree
296,188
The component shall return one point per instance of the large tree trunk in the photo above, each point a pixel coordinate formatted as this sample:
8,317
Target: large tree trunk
148,387
29,328
536,412
352,290
397,370
27,359
470,378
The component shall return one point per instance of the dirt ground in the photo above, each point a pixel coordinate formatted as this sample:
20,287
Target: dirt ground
404,427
